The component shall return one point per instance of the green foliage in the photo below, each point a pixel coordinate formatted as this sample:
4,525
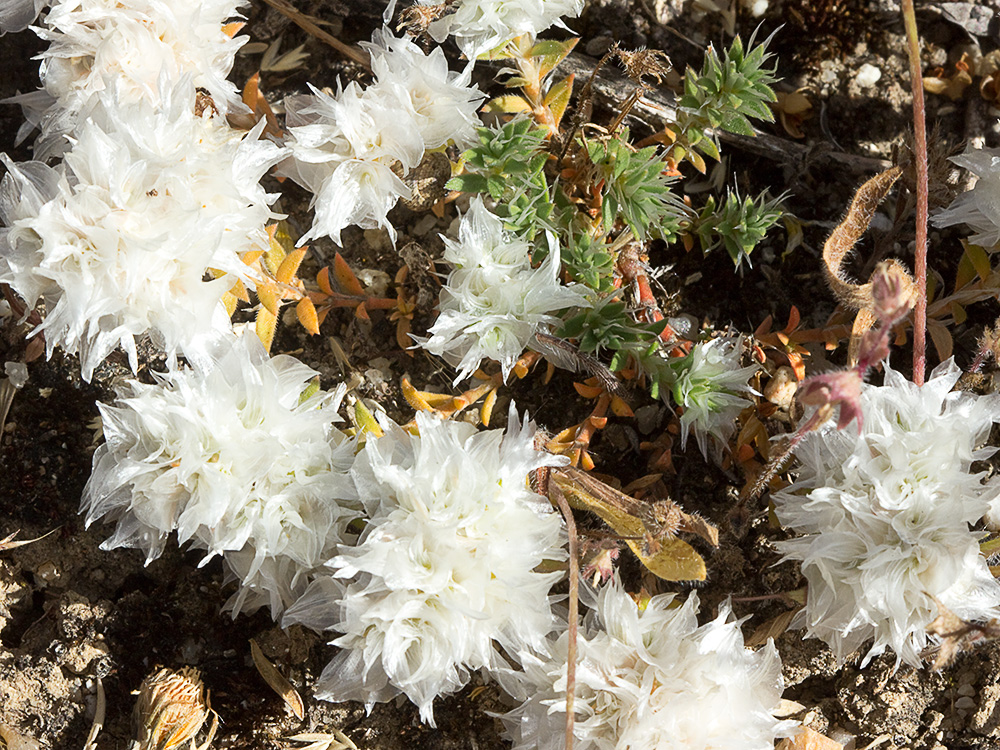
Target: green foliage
589,261
636,188
508,164
725,93
609,325
738,225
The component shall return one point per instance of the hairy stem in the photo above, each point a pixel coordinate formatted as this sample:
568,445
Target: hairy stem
920,157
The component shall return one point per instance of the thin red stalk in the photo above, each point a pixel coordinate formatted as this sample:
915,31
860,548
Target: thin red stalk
920,156
574,610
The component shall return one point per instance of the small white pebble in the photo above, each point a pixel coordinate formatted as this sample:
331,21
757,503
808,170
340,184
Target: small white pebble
868,75
17,372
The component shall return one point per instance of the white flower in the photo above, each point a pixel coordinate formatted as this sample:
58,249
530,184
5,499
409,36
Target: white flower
134,44
709,381
149,200
884,517
17,15
651,679
344,149
350,150
444,104
482,25
979,207
445,572
236,461
494,301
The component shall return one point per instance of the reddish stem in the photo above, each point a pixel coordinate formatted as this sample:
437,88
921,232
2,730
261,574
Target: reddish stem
920,155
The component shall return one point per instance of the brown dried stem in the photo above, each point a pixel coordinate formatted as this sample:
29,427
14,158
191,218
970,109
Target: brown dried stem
310,26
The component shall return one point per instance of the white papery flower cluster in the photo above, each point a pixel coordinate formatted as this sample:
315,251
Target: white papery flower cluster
650,679
118,239
350,150
979,207
885,517
708,385
235,460
483,25
156,192
494,302
133,45
445,572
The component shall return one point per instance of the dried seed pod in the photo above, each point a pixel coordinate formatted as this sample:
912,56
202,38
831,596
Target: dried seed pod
171,709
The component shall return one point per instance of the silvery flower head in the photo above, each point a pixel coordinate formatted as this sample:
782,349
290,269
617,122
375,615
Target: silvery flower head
118,240
237,458
344,149
494,301
884,517
444,103
482,25
980,206
446,570
134,44
709,383
650,678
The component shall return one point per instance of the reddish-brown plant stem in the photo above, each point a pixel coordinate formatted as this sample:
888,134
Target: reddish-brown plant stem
920,159
574,609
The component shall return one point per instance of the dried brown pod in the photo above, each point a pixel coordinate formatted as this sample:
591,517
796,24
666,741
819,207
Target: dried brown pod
171,708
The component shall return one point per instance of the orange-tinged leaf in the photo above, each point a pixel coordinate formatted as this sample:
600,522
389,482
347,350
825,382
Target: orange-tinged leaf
487,411
232,29
403,335
252,256
508,104
588,391
323,281
286,271
583,460
306,311
361,312
414,397
793,319
229,301
270,297
239,291
619,408
345,277
558,98
265,326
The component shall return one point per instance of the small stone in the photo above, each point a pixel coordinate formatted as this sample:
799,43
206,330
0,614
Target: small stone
966,689
965,703
868,75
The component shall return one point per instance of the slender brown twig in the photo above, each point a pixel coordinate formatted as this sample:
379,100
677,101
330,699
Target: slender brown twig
310,26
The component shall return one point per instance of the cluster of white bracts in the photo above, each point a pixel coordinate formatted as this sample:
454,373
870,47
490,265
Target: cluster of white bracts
979,207
231,457
650,679
494,301
349,150
155,191
885,517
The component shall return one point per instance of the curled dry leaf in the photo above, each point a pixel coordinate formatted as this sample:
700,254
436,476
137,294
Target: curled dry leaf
276,681
648,528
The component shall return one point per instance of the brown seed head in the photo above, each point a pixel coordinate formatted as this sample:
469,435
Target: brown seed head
171,709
